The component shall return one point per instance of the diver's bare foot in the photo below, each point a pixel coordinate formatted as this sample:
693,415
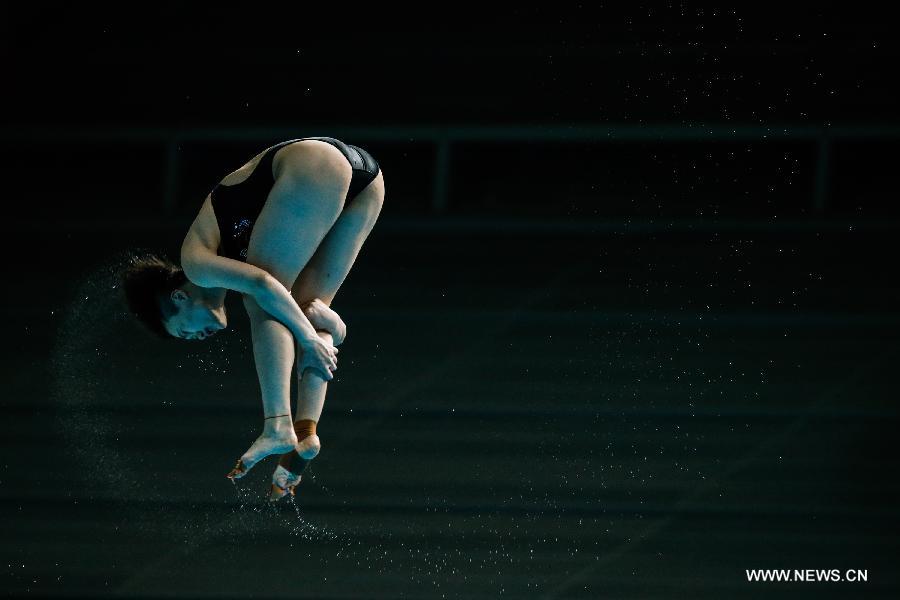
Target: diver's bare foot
291,467
277,438
321,316
283,483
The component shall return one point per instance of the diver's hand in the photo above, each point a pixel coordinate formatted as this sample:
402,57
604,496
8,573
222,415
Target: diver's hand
318,354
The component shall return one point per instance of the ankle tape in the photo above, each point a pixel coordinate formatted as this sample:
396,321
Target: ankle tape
293,462
304,428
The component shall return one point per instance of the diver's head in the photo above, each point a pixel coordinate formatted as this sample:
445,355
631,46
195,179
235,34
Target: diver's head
168,303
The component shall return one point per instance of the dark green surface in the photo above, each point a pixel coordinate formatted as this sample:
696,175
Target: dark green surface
538,416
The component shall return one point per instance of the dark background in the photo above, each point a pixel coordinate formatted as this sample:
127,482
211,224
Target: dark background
626,326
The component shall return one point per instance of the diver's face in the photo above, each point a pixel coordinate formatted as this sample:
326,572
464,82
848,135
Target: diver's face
194,319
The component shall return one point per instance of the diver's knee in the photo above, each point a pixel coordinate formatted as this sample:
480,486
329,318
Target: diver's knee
340,333
325,319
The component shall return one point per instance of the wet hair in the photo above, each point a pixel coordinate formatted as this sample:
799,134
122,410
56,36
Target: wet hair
147,282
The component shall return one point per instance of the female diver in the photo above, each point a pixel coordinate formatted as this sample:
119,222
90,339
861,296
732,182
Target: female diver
283,231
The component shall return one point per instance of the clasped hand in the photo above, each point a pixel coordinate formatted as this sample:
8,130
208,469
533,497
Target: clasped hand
318,354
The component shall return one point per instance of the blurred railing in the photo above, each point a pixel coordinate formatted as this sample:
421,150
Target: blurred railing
445,136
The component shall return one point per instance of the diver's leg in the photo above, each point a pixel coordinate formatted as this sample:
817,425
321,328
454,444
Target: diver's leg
291,465
293,462
273,353
320,280
331,263
301,208
328,269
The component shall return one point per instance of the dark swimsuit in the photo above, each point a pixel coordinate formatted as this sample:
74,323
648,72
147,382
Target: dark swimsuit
237,206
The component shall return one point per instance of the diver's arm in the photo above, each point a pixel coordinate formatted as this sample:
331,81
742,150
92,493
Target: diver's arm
276,300
207,269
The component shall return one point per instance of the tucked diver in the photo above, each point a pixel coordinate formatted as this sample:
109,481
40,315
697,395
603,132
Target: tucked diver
284,231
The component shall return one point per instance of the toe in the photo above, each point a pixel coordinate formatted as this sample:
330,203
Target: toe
239,470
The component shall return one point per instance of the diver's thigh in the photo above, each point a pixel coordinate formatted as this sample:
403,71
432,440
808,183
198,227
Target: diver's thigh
332,260
297,215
